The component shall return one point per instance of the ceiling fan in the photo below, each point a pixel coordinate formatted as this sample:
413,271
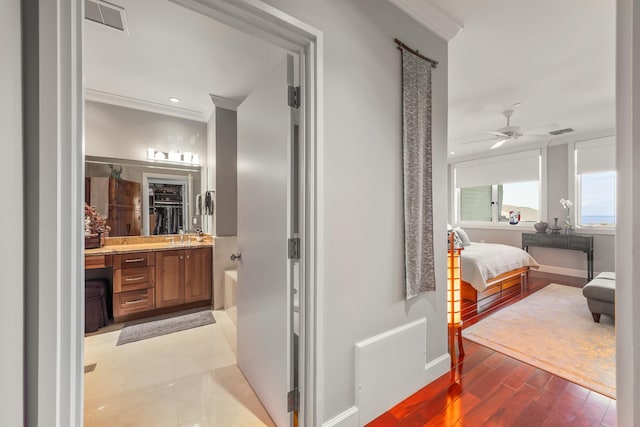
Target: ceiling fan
504,134
507,133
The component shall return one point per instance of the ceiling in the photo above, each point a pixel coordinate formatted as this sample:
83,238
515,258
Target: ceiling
170,51
557,58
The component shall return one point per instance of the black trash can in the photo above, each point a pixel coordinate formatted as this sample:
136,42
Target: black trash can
95,305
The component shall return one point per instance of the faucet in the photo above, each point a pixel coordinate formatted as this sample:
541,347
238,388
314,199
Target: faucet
181,232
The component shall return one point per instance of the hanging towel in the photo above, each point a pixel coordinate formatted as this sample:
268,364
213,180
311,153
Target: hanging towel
198,204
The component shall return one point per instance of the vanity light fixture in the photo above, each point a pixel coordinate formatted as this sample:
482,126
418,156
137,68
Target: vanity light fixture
174,99
173,156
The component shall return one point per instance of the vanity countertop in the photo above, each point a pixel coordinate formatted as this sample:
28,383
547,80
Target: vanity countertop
122,245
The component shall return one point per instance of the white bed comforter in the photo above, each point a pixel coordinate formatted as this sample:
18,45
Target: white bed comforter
484,261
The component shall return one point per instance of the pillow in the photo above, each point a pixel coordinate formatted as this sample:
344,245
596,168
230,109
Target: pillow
457,243
464,238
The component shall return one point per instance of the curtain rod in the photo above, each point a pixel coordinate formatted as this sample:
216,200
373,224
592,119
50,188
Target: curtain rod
402,46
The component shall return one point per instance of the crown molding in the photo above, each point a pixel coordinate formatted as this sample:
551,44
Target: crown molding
431,17
226,103
139,104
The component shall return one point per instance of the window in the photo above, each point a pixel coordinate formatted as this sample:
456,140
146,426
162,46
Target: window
488,190
595,183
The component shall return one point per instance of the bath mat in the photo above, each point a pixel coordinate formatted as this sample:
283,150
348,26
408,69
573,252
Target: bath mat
140,331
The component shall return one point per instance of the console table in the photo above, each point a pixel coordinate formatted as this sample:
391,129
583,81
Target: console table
578,242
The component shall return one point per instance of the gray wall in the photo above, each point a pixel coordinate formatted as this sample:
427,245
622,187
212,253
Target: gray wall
125,133
360,184
11,264
557,188
226,172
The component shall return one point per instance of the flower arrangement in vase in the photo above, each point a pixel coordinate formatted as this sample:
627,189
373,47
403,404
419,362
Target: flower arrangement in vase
566,204
94,226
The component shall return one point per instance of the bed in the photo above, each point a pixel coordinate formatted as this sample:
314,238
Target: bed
491,274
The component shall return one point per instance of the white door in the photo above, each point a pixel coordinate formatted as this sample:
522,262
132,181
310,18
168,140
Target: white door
264,224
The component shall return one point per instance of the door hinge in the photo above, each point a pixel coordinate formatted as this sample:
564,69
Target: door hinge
294,248
293,400
294,96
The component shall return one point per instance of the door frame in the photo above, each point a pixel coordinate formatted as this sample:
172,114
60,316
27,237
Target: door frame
54,166
186,181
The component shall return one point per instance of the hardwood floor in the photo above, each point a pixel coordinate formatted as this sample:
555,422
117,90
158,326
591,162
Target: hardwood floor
488,388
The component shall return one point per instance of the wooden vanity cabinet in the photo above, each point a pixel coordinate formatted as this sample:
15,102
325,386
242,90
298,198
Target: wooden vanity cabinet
133,283
170,273
183,276
157,282
198,274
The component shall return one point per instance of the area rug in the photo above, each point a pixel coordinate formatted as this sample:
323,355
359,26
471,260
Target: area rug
553,330
142,330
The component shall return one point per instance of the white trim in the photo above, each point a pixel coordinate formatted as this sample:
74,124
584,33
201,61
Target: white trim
140,104
12,305
431,17
226,103
544,184
564,271
348,418
437,367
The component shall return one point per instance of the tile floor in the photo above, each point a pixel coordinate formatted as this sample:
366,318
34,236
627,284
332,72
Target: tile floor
188,378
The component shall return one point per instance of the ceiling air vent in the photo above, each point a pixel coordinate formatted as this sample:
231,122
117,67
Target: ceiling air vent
560,131
105,13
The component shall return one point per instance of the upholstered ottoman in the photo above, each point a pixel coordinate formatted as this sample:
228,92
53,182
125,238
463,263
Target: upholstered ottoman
601,295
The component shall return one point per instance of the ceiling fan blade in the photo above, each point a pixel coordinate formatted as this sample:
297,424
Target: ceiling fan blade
542,128
499,134
499,143
476,140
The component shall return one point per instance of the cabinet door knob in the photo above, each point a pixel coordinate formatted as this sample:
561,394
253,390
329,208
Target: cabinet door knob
236,257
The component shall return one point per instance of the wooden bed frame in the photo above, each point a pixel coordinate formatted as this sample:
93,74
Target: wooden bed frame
499,289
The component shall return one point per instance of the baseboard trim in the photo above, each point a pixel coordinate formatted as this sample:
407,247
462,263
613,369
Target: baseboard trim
348,418
564,271
437,367
433,370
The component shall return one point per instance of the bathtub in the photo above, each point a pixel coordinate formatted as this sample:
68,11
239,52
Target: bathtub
230,289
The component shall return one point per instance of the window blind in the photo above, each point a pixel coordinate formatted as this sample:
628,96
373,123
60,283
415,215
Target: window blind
596,155
516,167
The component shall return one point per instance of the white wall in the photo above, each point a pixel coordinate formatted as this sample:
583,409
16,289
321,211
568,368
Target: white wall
12,301
125,133
363,289
628,203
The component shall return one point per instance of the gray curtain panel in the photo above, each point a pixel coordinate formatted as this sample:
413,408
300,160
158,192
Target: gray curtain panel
416,153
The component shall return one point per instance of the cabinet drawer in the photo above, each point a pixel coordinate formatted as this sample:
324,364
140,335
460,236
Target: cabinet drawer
97,261
133,302
138,259
129,279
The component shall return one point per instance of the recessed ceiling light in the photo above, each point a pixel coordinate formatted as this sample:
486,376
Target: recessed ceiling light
452,152
174,99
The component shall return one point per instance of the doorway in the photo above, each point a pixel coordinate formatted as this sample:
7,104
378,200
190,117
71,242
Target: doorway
65,319
163,181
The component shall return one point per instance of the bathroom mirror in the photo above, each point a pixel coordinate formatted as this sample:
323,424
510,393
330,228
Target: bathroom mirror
167,193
